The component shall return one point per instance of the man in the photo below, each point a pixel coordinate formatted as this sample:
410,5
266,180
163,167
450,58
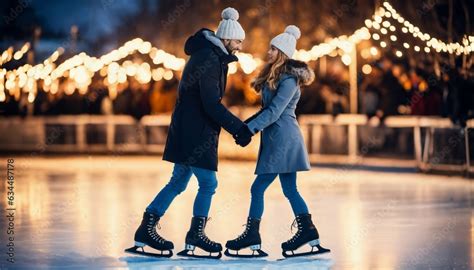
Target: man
193,135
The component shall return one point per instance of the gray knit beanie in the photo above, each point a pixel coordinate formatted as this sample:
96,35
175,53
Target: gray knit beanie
229,27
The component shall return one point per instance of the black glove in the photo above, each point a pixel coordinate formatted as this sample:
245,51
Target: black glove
243,136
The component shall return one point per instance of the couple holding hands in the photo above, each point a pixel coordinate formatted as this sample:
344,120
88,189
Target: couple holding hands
193,137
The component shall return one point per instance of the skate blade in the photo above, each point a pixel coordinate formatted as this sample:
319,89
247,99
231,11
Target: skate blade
134,250
260,253
190,254
320,250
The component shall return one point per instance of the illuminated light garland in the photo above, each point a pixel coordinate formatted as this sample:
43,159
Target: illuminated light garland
25,77
79,69
8,54
387,11
344,43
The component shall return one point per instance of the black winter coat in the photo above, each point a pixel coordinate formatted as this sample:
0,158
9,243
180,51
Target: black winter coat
199,114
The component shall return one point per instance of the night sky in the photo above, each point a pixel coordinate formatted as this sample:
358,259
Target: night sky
93,17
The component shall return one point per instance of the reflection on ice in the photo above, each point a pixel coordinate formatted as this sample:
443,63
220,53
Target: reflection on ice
82,212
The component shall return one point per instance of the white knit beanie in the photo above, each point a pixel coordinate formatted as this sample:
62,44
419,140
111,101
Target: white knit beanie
286,41
229,27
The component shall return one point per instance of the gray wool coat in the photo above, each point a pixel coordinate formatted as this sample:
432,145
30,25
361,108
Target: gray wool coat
282,149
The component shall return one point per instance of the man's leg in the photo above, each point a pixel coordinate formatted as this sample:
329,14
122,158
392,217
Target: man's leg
207,187
146,234
177,184
196,236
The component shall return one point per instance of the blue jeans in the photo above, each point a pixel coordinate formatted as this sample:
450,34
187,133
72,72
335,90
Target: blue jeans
288,184
177,184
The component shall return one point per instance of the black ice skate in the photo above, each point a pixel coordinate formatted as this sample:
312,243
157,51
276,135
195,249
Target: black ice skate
146,235
307,233
196,237
250,238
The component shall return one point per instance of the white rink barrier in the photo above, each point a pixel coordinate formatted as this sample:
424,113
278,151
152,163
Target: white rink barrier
312,126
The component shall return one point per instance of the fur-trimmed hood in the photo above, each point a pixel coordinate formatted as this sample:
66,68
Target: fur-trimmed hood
301,71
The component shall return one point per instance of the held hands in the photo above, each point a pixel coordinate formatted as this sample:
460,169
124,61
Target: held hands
243,136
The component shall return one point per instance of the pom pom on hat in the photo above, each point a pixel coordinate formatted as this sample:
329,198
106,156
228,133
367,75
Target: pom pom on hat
230,14
293,30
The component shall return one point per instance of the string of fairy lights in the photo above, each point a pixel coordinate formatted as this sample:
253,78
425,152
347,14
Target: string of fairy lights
383,24
76,72
9,54
387,22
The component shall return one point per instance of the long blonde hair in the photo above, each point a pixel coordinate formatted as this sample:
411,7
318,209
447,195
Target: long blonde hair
271,73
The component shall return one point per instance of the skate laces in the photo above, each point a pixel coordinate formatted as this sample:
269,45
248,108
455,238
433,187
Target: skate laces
152,232
295,224
153,224
247,227
203,235
154,235
206,239
157,237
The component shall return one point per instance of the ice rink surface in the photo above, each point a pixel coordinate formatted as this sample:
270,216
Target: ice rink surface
81,212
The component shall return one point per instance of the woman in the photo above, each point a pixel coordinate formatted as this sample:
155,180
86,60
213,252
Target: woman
282,150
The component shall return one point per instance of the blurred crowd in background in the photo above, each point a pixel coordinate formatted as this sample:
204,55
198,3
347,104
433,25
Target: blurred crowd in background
392,87
389,87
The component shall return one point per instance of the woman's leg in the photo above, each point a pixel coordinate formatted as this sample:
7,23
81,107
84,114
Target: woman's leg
258,189
177,184
288,184
207,187
307,232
